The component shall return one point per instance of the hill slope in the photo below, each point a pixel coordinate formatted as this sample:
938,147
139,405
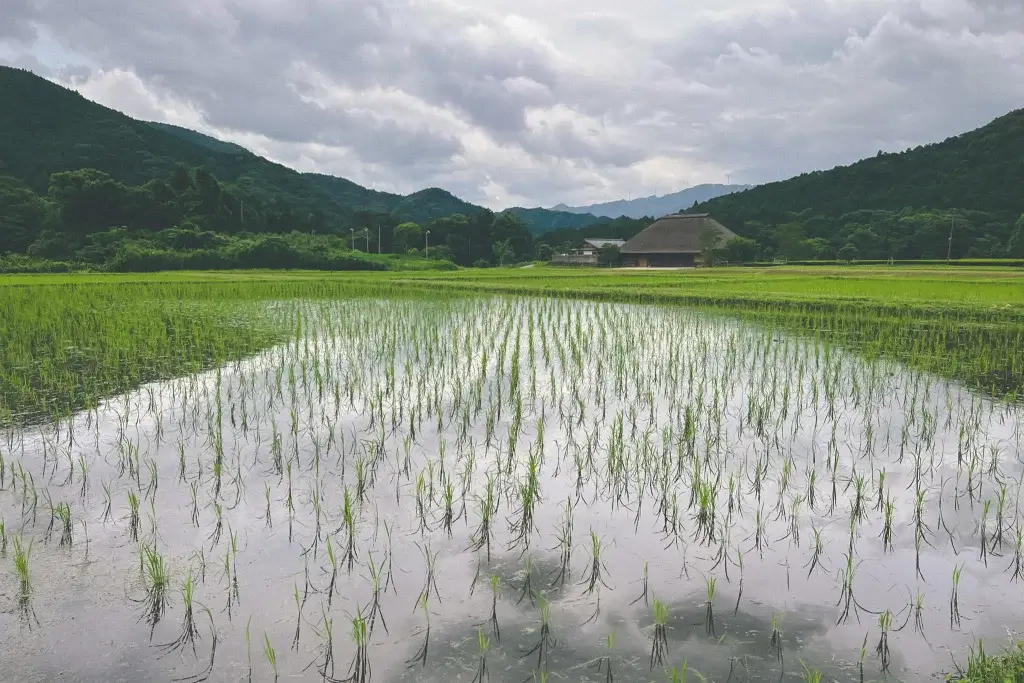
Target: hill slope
653,206
908,200
46,128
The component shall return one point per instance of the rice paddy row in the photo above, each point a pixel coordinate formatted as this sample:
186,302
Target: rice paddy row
340,482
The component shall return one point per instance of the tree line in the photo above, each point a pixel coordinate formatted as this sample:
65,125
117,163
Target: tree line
190,219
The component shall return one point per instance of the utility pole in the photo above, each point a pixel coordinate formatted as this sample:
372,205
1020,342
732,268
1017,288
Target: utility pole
366,233
353,232
949,248
427,246
378,238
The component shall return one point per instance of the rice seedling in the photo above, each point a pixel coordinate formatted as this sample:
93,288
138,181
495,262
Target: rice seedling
270,655
882,649
63,513
709,613
659,646
189,632
564,547
954,598
776,640
595,568
483,647
133,517
810,675
156,583
21,559
421,654
545,640
409,413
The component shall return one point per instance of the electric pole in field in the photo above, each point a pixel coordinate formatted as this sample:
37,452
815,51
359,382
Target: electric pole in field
949,246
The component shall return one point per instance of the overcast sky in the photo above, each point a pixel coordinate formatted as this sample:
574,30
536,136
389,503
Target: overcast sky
533,102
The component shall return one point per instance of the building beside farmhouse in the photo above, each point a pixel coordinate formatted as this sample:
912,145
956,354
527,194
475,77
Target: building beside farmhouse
587,253
675,241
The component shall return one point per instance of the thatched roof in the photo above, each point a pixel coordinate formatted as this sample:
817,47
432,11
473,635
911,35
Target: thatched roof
679,233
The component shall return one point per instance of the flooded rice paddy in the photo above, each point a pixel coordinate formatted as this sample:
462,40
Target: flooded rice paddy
515,489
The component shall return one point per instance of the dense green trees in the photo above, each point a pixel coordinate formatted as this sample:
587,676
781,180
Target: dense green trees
900,206
191,219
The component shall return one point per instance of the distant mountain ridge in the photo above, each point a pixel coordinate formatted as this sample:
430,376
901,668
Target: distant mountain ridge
654,205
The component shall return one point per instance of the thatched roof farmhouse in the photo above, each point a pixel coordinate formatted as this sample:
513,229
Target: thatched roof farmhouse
675,241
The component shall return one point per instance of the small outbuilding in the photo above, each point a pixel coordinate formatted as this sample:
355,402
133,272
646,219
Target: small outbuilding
675,241
587,253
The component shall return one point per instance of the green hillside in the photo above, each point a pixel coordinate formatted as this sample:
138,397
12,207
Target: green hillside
46,129
900,205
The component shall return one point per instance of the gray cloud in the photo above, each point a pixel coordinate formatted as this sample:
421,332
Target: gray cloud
523,101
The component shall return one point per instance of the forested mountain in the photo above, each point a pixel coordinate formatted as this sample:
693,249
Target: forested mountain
654,205
541,221
84,184
47,129
901,205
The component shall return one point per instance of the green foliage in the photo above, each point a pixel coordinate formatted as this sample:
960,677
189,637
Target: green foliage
609,255
899,206
75,167
1007,667
406,236
847,253
740,250
503,252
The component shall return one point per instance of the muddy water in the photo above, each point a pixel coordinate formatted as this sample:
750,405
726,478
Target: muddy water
415,395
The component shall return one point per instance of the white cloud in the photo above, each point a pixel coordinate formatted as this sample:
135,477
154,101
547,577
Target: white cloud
536,102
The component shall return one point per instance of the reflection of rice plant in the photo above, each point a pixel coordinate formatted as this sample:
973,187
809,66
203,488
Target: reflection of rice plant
527,588
483,645
21,558
889,511
63,513
377,587
564,547
776,641
659,647
1018,557
846,597
429,580
882,649
494,608
487,505
604,662
133,517
596,568
545,640
918,611
359,670
421,654
984,531
154,574
709,613
189,632
954,598
643,595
